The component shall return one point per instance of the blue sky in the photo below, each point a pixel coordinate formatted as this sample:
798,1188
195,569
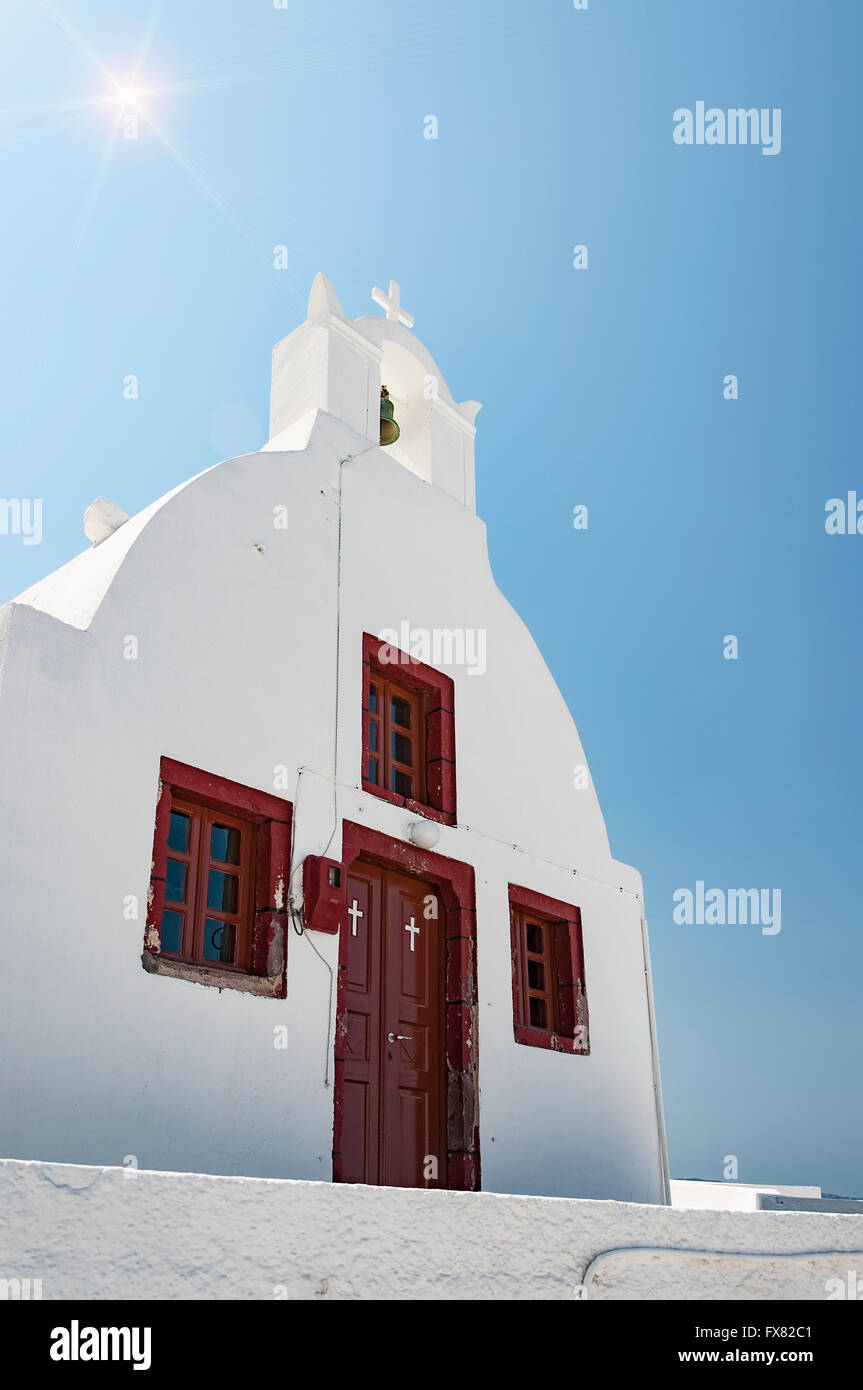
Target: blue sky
603,387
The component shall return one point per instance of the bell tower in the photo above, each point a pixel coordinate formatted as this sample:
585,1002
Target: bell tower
340,365
326,364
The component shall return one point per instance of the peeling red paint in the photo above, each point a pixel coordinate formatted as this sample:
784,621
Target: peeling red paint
272,816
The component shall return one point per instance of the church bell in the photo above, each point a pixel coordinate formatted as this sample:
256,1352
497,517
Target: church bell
389,428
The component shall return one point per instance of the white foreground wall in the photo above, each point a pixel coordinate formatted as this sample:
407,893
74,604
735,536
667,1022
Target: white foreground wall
101,1233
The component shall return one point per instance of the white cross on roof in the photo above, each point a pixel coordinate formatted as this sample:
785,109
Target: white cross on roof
391,304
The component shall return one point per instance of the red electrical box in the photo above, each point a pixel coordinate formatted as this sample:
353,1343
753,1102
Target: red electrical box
323,893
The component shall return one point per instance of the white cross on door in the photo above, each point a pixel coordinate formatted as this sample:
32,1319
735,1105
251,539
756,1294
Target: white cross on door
354,913
412,927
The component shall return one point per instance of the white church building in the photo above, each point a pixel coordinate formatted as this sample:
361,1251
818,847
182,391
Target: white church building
299,879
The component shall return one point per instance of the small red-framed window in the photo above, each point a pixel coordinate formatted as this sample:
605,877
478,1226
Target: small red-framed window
216,910
549,996
209,887
397,738
408,732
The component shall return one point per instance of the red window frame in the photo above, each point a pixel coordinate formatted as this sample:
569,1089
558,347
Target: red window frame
432,696
388,733
549,994
259,914
194,908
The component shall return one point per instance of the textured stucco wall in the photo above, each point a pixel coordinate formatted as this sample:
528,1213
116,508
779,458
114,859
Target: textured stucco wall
103,1233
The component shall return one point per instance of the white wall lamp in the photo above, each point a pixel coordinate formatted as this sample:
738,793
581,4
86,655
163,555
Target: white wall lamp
424,834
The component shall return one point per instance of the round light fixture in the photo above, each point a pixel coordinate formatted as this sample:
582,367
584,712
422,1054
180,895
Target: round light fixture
424,834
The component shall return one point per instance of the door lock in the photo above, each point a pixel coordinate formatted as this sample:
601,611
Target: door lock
399,1037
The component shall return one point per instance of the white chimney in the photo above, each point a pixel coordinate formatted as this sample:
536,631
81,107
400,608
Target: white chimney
101,519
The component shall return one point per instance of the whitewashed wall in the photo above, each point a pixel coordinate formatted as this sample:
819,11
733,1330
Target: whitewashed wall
101,1233
732,1195
235,675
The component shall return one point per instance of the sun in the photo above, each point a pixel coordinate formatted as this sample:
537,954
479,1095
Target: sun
129,100
129,96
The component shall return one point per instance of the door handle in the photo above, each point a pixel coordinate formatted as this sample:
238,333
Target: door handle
399,1037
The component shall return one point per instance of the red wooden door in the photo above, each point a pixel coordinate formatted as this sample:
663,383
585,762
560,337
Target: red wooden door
393,1117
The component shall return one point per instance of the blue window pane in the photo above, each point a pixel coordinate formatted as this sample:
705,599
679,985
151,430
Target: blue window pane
175,881
225,844
219,940
178,834
172,932
223,891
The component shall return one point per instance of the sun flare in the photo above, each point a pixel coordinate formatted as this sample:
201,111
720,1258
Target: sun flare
128,96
